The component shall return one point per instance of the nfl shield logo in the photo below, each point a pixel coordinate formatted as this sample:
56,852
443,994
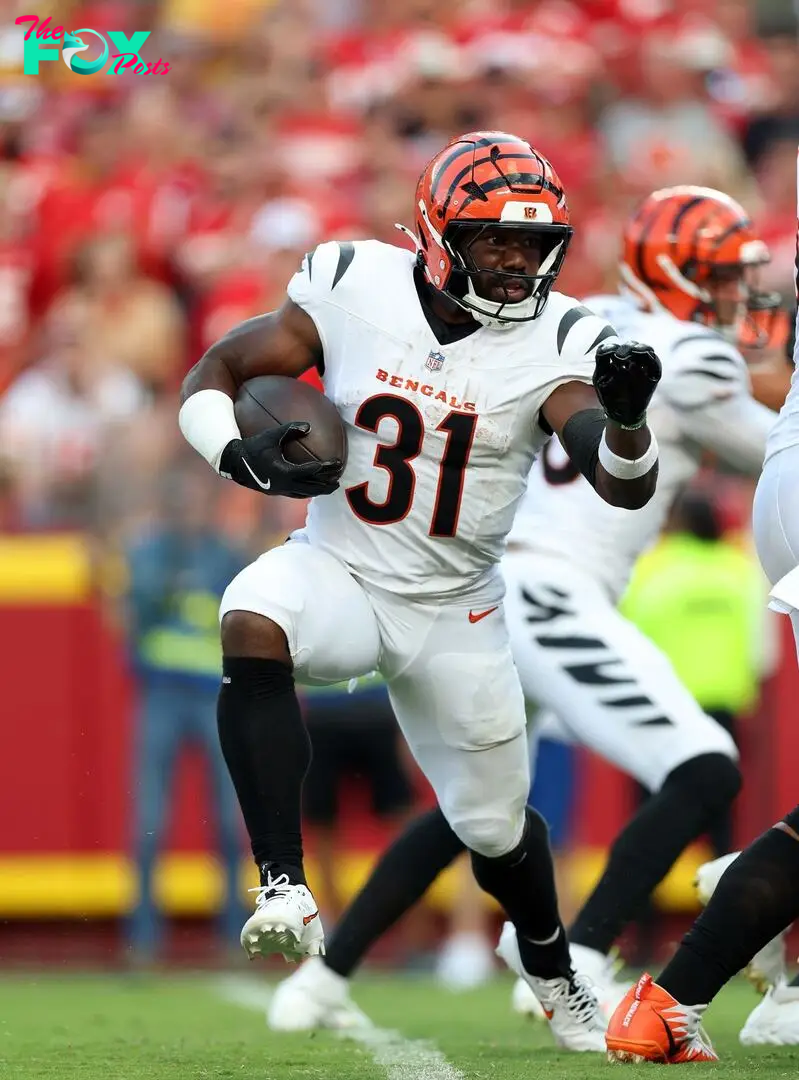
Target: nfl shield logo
435,361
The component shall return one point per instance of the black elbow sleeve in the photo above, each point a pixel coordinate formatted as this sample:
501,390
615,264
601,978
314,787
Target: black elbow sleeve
581,437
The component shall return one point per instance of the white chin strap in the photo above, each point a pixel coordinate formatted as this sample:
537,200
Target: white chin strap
486,311
411,236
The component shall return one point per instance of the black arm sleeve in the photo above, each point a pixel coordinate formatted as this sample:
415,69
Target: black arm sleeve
582,434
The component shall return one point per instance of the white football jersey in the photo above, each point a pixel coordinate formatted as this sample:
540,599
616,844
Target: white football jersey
785,432
703,402
441,437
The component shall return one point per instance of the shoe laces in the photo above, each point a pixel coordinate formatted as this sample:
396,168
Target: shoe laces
275,886
576,995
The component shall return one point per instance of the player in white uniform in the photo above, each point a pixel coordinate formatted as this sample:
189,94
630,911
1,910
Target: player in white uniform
607,685
449,369
757,897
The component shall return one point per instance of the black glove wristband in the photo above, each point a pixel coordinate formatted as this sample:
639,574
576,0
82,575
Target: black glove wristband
641,422
230,458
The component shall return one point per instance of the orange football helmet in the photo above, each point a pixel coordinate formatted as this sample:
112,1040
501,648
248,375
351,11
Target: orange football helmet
677,243
489,179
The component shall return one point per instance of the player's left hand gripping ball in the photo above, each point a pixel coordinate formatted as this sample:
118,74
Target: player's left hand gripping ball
625,378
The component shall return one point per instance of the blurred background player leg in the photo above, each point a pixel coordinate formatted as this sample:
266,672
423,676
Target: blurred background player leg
614,693
354,738
698,597
466,958
698,587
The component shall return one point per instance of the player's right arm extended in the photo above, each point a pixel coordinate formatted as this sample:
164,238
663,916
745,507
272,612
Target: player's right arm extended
711,395
283,342
735,429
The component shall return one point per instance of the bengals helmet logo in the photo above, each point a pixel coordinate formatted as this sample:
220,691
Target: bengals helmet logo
530,212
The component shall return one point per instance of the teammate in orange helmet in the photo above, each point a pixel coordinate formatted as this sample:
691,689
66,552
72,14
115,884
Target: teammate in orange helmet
684,251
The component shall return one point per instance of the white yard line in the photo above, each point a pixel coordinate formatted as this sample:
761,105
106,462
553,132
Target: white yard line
402,1059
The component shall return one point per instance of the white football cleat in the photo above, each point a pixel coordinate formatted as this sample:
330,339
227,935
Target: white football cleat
570,1005
465,962
286,920
709,874
766,968
601,971
775,1020
524,1002
314,997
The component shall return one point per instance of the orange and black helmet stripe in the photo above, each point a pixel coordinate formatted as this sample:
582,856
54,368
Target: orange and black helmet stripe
450,178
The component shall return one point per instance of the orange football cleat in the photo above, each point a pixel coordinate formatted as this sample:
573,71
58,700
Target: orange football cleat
649,1025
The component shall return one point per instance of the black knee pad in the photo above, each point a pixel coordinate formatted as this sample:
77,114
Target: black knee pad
712,779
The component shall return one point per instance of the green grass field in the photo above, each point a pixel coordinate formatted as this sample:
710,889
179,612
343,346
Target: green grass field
118,1028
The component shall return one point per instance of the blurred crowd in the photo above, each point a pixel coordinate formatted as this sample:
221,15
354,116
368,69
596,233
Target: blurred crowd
143,215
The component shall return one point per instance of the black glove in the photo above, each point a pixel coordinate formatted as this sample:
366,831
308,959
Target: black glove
625,378
258,463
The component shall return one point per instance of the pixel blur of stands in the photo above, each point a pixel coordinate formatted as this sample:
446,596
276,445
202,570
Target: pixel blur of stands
142,216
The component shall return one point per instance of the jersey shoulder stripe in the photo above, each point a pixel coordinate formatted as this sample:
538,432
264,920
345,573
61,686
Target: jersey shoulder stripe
346,255
572,316
597,330
606,332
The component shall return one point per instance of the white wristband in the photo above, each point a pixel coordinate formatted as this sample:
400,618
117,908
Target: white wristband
627,468
208,422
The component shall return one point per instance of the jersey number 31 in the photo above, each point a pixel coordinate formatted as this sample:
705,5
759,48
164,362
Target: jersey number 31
396,459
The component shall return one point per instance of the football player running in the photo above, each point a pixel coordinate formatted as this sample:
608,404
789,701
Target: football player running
688,255
396,567
757,897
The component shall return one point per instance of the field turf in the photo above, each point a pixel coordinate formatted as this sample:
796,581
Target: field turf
200,1026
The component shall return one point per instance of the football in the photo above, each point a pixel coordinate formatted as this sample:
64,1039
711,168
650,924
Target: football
270,400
